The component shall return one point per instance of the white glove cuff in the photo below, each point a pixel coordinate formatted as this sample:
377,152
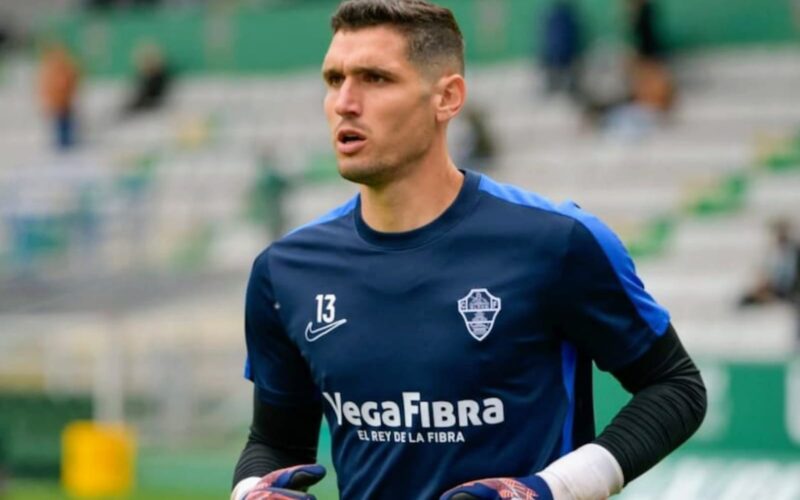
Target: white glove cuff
243,487
589,473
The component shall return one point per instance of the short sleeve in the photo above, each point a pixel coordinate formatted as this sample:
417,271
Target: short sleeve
603,307
274,363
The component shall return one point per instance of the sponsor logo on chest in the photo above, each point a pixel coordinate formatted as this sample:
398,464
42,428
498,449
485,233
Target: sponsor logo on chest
414,420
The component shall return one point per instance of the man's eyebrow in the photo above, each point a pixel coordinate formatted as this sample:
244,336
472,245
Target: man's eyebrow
374,70
360,70
327,74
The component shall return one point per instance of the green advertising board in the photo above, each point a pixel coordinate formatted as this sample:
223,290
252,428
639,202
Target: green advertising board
245,38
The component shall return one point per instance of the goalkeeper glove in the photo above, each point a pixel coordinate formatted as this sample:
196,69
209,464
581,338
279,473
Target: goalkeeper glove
501,488
287,484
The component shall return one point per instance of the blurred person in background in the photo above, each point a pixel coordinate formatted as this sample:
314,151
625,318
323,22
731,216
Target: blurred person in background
653,86
779,279
476,145
115,4
643,16
267,199
619,97
153,80
604,82
560,46
5,35
59,79
10,31
652,98
644,90
378,314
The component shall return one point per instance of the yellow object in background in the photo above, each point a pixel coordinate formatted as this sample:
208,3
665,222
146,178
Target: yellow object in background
97,459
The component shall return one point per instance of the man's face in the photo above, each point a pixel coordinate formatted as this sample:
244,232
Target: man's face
379,106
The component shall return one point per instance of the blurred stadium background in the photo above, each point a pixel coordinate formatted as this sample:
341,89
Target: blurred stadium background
123,258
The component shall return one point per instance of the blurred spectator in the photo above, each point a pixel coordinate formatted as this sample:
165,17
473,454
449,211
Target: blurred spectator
8,28
560,46
643,19
153,80
267,199
653,86
604,83
627,96
5,36
780,274
476,144
58,86
113,4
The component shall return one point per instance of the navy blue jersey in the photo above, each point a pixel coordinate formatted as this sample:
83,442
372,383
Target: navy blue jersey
457,351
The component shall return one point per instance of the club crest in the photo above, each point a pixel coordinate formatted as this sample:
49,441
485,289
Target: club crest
479,308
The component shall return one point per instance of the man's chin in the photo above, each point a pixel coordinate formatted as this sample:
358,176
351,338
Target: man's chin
363,173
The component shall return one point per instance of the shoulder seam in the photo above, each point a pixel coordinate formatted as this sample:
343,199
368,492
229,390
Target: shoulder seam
337,213
552,209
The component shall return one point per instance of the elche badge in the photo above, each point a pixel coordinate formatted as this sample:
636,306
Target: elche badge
479,308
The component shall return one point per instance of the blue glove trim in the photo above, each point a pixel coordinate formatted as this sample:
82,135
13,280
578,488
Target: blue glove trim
533,488
285,479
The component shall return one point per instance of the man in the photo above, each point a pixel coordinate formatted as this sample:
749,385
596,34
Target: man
153,80
443,323
59,80
560,41
644,23
780,275
779,280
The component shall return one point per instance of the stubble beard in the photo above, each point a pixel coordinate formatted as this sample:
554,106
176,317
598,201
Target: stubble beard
370,174
382,171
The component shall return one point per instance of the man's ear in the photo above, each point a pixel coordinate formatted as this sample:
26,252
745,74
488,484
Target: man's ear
451,94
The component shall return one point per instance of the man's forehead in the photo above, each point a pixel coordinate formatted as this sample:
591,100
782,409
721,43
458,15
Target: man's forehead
367,47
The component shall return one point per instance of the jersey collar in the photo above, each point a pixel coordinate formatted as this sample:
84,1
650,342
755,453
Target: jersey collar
463,204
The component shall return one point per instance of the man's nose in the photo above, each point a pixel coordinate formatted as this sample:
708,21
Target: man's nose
348,102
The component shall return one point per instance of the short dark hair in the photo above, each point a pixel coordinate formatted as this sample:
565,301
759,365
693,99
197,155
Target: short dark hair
433,36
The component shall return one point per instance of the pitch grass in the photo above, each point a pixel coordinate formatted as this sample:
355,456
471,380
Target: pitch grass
715,475
197,474
51,490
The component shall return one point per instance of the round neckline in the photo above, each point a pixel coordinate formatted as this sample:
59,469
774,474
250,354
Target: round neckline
467,196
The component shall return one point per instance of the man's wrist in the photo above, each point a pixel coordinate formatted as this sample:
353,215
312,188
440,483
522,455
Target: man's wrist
539,485
591,472
243,487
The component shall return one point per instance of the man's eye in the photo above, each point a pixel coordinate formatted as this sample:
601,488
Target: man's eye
335,80
374,78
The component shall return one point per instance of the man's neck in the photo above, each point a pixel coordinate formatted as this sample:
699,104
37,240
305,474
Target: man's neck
412,201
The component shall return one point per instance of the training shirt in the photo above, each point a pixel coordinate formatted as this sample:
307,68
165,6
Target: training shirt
457,351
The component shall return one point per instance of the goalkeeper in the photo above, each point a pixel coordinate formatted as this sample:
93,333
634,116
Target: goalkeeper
445,324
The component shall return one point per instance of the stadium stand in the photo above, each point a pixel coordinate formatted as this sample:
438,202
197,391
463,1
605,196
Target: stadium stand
192,191
204,147
167,193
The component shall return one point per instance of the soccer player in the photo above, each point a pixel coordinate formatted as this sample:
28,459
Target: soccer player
446,324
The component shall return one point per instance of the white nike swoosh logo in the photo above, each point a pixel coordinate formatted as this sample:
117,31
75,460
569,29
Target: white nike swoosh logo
312,335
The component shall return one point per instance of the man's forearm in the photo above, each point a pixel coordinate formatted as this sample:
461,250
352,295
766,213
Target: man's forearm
668,405
258,459
279,437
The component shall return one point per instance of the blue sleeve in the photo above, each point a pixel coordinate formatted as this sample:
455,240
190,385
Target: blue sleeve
604,309
274,363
